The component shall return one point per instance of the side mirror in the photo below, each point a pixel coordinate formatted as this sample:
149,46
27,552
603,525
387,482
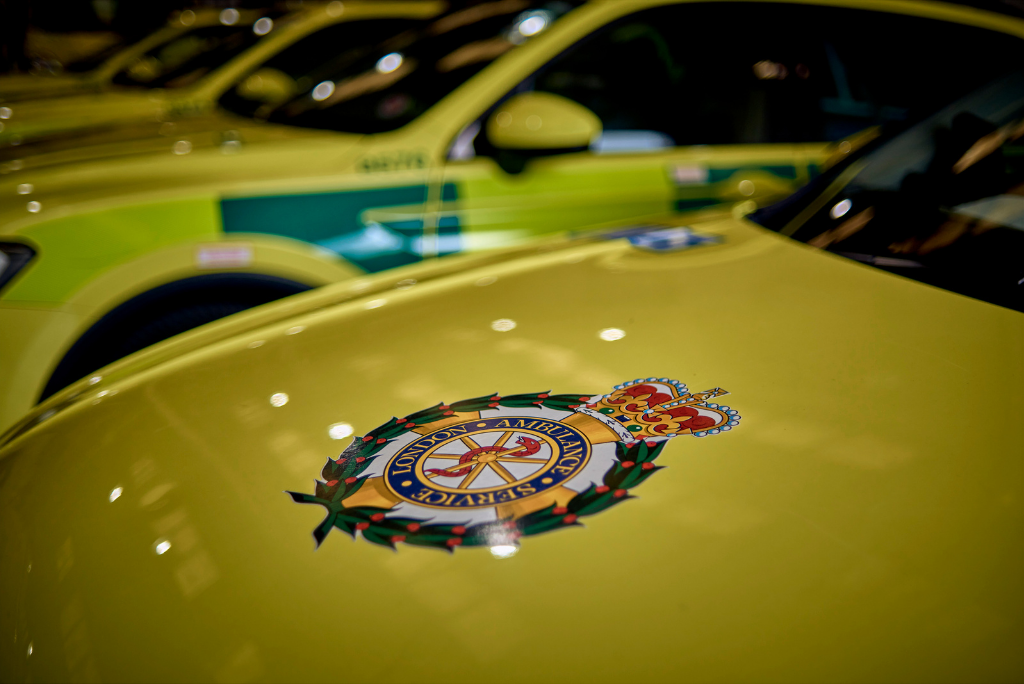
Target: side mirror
268,86
542,121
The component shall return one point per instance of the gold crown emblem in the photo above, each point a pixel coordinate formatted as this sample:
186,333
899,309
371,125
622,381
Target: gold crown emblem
660,407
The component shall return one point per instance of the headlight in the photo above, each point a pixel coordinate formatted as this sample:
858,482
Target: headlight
13,257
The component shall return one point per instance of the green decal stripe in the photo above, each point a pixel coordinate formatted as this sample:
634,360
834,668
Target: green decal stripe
332,220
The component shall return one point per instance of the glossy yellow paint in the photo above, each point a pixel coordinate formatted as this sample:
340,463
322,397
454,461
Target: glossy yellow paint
99,192
860,525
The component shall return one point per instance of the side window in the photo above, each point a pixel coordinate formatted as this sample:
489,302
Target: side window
747,73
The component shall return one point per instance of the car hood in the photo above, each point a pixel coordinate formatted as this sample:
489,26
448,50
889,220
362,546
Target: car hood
863,517
206,155
33,119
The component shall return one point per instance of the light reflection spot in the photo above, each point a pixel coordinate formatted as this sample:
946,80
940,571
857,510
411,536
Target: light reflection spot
295,330
30,649
746,188
25,189
187,18
5,112
503,325
262,26
376,303
278,399
161,547
340,430
611,334
95,379
335,9
34,207
504,119
115,494
323,90
255,343
840,208
504,551
182,147
533,122
229,16
389,62
485,281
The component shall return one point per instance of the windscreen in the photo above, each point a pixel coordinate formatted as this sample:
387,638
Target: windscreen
383,86
942,202
184,59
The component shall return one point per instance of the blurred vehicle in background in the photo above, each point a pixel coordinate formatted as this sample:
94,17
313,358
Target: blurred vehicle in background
157,61
184,77
862,521
491,125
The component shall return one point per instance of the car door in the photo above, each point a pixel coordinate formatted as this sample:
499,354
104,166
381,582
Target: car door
701,106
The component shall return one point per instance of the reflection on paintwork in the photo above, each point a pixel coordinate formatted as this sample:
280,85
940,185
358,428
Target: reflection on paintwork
485,281
611,334
30,649
115,494
340,431
182,147
25,189
503,325
229,16
161,547
504,551
256,343
34,207
279,399
376,303
295,330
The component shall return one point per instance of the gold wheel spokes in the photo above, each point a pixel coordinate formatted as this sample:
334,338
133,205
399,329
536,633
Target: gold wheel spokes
466,481
469,443
504,438
500,469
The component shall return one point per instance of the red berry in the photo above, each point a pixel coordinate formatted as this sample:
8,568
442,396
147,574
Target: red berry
602,489
350,480
360,459
628,464
362,525
538,402
448,413
619,493
377,517
647,466
560,510
410,425
331,483
584,398
543,396
413,527
454,541
496,397
381,440
651,444
444,407
573,406
398,538
569,519
493,405
367,438
459,529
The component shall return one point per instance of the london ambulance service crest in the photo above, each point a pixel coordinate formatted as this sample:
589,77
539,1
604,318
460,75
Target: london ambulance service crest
490,470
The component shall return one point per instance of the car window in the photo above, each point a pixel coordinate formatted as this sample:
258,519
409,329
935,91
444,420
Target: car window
735,73
384,88
941,202
305,63
186,58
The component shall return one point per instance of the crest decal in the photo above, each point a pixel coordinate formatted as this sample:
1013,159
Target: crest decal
491,470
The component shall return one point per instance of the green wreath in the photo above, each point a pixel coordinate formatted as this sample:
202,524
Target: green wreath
341,479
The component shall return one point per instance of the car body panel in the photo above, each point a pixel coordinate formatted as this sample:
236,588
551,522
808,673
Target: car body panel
376,201
860,521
